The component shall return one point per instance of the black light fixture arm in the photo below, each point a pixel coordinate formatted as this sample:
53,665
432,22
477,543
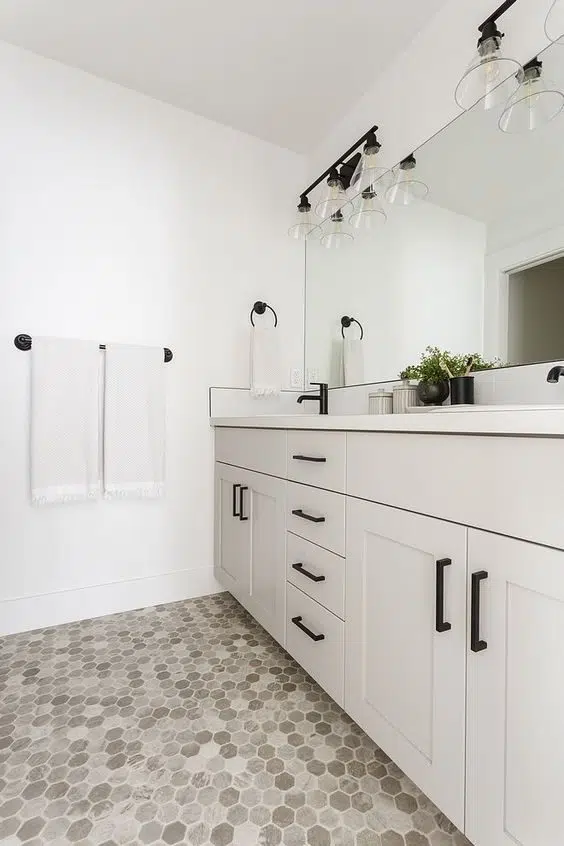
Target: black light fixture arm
497,14
340,160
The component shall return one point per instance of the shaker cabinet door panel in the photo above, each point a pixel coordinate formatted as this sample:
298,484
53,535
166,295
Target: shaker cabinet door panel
232,536
266,505
405,644
515,758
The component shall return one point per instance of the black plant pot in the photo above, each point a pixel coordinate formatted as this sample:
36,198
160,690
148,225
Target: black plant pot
432,393
462,390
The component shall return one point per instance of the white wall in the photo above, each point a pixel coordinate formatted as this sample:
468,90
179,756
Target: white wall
536,306
124,219
418,280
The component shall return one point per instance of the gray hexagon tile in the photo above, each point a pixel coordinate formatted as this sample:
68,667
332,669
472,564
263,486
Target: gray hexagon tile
187,724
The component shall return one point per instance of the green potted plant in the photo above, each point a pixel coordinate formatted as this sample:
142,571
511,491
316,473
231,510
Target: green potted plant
440,371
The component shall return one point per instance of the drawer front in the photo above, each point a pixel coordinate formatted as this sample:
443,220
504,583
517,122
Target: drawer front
508,485
317,516
317,572
318,458
263,450
322,658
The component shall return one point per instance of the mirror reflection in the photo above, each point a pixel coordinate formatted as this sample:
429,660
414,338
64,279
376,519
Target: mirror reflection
460,247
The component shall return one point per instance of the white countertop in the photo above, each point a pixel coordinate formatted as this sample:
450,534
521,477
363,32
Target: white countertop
495,420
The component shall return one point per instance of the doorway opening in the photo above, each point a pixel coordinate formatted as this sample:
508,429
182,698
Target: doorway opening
536,313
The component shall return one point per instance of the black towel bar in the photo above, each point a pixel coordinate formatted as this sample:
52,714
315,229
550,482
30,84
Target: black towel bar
23,342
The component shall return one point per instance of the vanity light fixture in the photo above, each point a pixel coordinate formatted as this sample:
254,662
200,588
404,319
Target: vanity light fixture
305,226
337,234
490,77
335,197
554,23
368,170
406,188
335,207
368,214
535,103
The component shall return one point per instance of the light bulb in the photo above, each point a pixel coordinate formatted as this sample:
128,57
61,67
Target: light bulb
535,103
490,77
337,234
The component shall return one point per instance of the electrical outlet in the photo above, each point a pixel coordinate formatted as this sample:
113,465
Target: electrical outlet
297,378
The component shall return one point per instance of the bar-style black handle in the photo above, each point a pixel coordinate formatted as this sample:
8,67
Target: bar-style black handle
235,512
307,574
476,644
297,621
298,512
440,623
242,503
312,458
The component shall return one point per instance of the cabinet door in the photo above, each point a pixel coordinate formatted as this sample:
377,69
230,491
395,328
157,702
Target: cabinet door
232,533
267,514
515,758
405,644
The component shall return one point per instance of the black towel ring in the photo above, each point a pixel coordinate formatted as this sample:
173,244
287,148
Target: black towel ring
347,321
260,308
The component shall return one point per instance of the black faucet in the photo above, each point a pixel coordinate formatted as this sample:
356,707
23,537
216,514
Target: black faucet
322,397
554,374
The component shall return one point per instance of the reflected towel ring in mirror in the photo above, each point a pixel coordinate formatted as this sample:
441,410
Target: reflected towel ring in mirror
347,321
260,308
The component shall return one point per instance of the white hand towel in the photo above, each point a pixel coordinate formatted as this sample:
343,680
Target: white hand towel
266,370
353,359
134,422
65,383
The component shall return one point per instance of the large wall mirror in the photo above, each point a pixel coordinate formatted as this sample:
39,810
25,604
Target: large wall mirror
477,266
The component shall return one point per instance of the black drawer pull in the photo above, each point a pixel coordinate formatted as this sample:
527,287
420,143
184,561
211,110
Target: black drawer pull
440,624
297,512
309,458
476,644
242,503
307,574
297,621
235,489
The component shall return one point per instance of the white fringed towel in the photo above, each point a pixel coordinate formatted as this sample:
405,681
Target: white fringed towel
266,370
134,422
65,392
353,361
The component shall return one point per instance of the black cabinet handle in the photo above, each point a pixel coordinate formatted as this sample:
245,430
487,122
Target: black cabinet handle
309,458
235,512
440,623
241,503
297,621
307,574
297,512
476,644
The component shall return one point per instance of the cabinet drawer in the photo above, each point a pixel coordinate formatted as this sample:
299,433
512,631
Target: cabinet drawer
263,450
323,659
317,572
317,458
318,516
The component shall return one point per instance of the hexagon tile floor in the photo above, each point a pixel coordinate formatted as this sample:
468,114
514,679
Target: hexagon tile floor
186,723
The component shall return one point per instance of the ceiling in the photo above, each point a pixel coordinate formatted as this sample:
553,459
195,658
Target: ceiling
283,71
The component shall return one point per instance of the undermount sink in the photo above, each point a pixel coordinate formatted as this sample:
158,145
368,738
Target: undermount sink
433,409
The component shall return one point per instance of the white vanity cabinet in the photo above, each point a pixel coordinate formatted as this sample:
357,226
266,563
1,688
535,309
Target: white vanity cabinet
406,641
515,732
430,606
250,551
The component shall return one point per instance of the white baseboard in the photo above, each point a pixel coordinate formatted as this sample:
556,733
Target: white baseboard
26,613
